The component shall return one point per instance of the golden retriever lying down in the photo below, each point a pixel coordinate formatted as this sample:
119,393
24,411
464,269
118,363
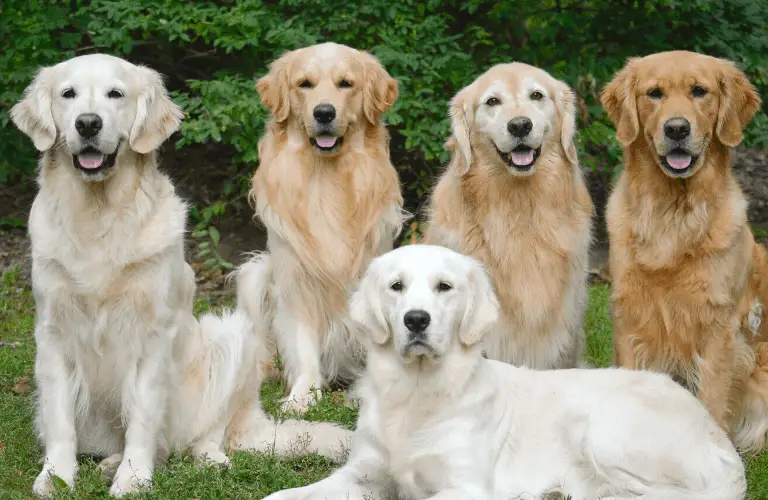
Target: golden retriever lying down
438,421
513,196
123,369
685,268
330,200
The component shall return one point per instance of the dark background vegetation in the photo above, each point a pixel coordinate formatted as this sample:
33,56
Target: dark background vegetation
211,53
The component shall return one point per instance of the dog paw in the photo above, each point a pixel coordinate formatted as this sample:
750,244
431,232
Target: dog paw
109,466
300,403
130,479
215,457
53,477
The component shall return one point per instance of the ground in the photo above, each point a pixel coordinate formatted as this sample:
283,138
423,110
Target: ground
251,475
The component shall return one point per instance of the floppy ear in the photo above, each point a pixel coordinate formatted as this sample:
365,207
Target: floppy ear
32,114
365,308
157,116
273,89
482,309
462,118
739,101
380,90
567,109
618,99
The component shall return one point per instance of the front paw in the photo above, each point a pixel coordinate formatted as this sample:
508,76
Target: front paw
291,494
299,402
53,475
131,478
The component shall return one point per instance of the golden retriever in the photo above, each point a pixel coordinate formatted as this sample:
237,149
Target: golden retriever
514,197
438,421
123,368
330,199
685,268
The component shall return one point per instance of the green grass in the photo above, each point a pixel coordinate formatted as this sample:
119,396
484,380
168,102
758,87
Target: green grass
251,475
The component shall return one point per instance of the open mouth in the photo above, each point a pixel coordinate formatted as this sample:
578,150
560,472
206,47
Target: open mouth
678,162
91,161
326,143
522,158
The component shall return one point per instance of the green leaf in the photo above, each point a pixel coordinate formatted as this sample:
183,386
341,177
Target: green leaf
215,237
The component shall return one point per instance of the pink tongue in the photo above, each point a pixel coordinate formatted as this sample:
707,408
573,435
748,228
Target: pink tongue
679,162
90,161
326,142
522,159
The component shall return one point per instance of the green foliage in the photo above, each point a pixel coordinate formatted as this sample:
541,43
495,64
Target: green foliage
213,51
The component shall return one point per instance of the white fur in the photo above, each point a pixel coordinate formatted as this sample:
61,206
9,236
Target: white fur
444,423
123,369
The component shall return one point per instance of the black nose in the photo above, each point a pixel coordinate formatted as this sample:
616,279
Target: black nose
520,126
88,125
324,113
677,129
416,321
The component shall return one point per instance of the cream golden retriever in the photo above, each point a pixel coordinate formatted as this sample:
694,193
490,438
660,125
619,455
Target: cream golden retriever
123,368
438,421
685,268
513,196
330,199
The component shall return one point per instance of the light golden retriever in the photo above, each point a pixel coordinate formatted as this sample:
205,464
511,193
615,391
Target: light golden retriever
686,272
123,369
330,199
438,421
514,197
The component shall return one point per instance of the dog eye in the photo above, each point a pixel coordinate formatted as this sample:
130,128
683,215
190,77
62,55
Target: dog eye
114,94
68,94
492,101
306,84
655,93
536,96
444,287
345,84
699,91
397,286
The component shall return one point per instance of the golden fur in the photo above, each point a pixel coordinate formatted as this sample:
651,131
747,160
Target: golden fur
327,213
533,231
686,271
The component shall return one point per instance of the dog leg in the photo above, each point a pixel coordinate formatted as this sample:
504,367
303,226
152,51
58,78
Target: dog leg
751,432
56,417
210,447
300,352
145,406
715,373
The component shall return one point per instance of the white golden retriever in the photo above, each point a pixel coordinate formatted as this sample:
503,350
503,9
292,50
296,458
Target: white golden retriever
514,198
439,421
123,369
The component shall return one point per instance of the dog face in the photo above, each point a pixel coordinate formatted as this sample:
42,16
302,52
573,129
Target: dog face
427,299
677,102
93,107
512,113
327,90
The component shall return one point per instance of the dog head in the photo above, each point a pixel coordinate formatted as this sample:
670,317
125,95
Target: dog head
428,300
327,91
676,103
93,107
510,116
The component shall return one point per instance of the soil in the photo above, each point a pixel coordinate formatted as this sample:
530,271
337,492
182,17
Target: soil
241,234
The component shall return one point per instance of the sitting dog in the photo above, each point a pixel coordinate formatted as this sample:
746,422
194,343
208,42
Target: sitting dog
123,368
688,279
439,421
514,197
330,199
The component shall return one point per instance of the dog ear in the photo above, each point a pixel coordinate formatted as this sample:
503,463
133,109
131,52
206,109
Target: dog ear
566,107
273,88
157,116
618,99
380,90
739,101
365,307
32,114
462,118
482,309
